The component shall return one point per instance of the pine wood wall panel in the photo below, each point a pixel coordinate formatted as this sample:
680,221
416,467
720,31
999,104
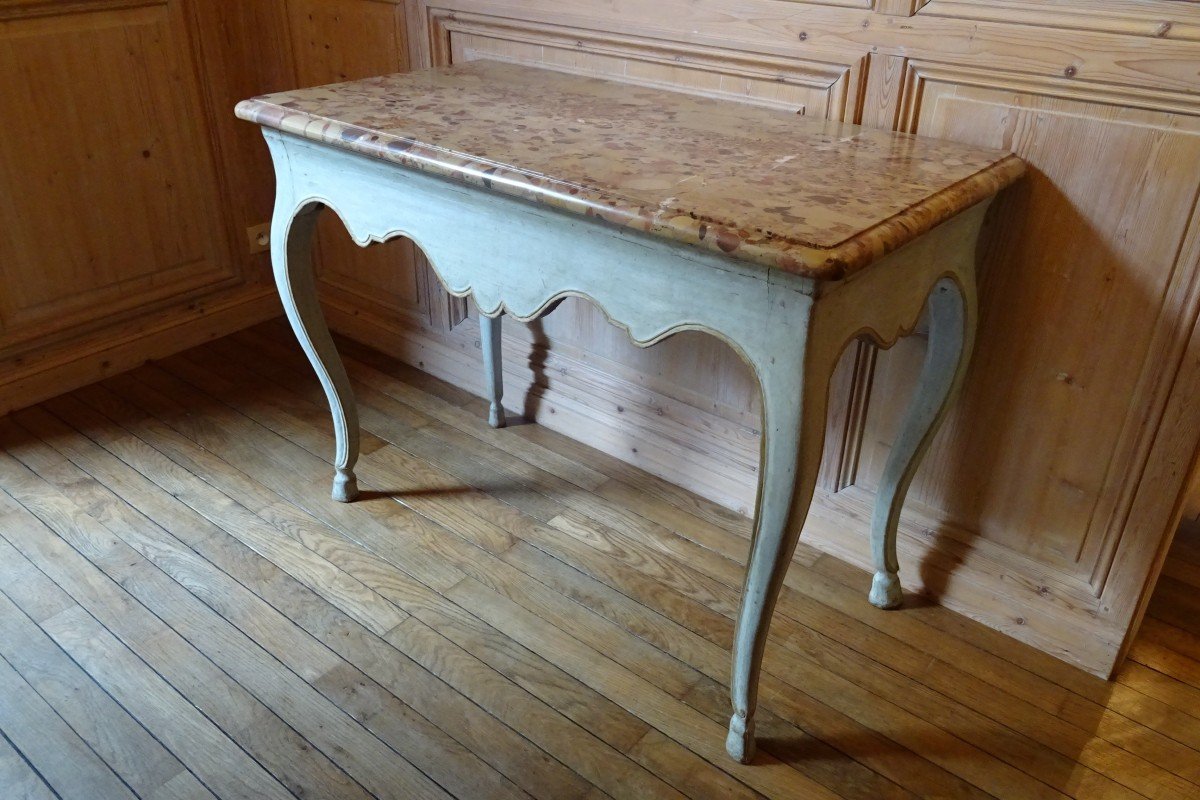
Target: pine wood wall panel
121,229
1088,52
811,87
1033,462
114,174
340,40
1161,19
132,189
243,49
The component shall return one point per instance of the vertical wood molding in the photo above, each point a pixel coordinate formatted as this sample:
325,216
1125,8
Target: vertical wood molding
1174,460
899,8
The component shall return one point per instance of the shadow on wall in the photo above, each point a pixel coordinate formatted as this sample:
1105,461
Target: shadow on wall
538,354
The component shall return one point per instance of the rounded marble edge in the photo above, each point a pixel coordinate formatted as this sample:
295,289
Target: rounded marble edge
679,225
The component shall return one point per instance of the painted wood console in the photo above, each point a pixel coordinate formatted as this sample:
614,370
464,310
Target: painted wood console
784,237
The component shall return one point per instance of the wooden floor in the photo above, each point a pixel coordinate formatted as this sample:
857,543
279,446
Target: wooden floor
185,613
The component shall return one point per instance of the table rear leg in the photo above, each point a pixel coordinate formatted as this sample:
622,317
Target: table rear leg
493,367
793,435
951,306
291,258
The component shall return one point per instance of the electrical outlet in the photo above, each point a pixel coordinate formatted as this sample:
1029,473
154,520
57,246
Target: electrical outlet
258,237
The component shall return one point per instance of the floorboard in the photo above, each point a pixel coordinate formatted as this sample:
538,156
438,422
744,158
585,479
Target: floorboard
503,614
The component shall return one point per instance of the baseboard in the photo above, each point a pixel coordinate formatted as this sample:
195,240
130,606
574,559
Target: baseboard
37,376
694,449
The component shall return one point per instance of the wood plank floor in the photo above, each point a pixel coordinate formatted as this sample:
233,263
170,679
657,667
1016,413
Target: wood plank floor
508,614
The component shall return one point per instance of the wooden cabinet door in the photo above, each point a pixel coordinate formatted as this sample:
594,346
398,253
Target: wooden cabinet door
110,201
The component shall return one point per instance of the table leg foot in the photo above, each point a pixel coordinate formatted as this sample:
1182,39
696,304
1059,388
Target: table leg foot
496,416
345,486
951,309
740,741
885,590
291,259
794,397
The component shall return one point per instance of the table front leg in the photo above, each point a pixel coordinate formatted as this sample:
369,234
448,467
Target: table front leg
794,403
291,258
951,306
493,367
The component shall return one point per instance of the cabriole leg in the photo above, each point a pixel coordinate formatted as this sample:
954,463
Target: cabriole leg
793,434
493,369
951,306
291,258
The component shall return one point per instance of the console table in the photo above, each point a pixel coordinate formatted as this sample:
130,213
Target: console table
785,237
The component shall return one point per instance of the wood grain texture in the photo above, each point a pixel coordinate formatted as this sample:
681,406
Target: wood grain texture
582,655
133,134
341,41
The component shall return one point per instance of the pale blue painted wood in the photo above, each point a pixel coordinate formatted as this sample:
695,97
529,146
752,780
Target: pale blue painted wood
951,307
793,396
291,258
493,370
519,258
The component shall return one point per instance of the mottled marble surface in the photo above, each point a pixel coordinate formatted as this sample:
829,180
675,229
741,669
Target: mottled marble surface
816,198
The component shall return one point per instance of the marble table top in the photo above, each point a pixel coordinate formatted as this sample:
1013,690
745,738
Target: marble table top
815,198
